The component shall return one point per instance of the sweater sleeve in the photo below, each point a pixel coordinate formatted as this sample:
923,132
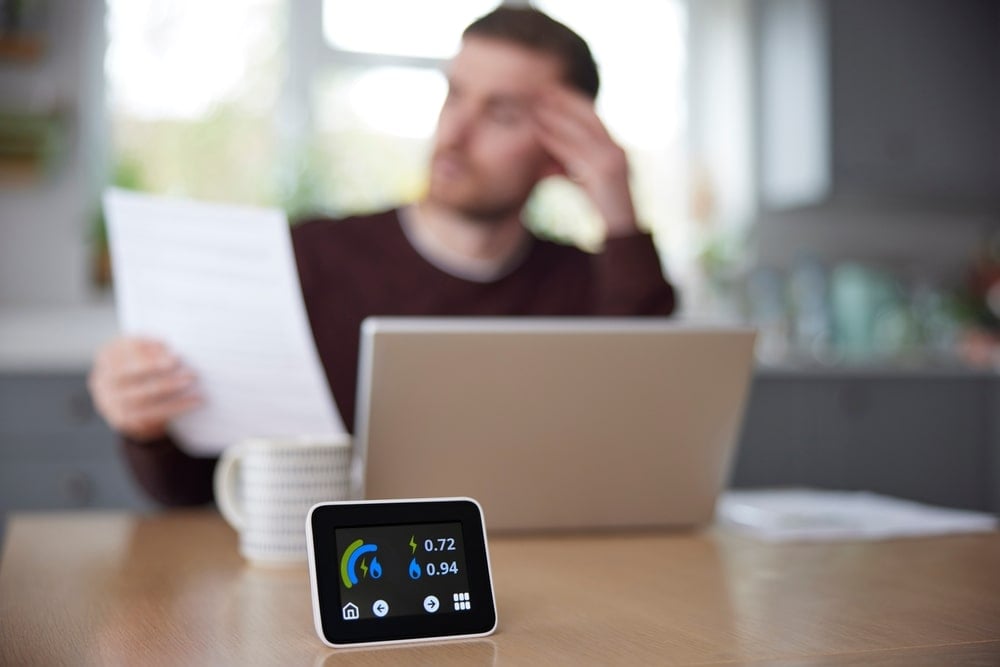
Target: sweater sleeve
629,280
169,475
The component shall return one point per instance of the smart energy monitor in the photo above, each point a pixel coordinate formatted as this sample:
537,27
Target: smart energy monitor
388,571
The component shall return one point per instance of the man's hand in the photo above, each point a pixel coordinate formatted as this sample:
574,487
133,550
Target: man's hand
138,386
570,130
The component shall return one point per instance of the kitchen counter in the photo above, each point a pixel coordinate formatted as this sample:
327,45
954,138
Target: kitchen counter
65,339
54,339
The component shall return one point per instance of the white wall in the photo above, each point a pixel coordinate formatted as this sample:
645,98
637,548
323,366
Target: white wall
720,104
878,136
793,103
45,228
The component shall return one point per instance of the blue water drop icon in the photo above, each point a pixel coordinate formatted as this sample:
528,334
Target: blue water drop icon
414,569
376,569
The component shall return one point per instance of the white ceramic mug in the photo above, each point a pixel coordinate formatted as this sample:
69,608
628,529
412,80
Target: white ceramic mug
265,486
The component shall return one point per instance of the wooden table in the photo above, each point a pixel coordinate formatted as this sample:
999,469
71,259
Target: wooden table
114,589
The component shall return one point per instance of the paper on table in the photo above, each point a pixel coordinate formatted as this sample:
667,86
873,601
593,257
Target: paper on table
781,515
218,284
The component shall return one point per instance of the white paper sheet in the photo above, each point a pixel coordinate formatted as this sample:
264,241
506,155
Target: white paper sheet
784,515
218,284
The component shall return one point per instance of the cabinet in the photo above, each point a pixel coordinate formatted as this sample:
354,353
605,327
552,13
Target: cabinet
55,452
931,437
887,101
915,90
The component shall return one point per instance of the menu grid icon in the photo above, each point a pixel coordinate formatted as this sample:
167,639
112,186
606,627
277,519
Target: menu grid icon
461,601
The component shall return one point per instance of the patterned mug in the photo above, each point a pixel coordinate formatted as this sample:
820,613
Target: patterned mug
264,488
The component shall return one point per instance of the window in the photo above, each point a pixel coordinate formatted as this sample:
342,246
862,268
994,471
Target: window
332,105
394,27
192,89
378,88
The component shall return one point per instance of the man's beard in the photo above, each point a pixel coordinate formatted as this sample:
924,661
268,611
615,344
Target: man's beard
484,213
471,199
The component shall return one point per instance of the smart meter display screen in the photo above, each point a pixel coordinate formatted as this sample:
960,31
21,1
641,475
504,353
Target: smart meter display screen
386,571
407,570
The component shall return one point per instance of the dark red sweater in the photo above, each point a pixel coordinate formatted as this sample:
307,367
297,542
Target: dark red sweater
361,266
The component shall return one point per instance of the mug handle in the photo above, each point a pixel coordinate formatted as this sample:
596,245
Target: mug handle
226,492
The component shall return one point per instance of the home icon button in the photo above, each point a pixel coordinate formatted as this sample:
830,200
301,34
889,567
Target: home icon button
350,612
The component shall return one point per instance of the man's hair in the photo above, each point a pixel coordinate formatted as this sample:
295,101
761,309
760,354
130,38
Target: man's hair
530,28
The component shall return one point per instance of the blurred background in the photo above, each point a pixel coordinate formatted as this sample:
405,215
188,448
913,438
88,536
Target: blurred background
828,170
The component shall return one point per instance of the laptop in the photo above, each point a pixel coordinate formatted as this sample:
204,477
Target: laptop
553,423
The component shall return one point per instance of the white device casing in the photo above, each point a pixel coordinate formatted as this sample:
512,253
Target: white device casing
314,588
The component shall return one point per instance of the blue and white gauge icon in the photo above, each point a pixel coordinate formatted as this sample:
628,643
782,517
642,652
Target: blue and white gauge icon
349,565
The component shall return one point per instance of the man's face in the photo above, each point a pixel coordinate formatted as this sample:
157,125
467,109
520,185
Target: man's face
487,157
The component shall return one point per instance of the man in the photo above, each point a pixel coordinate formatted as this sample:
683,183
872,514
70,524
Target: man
519,109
